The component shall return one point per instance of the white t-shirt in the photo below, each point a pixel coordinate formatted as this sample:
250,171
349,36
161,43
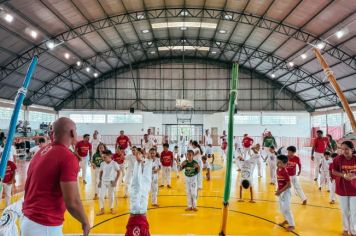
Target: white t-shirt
109,170
156,164
95,143
209,150
206,165
35,149
272,157
208,139
151,138
147,146
11,154
325,164
247,170
130,160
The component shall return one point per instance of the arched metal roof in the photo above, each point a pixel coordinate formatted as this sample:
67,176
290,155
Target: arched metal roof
262,35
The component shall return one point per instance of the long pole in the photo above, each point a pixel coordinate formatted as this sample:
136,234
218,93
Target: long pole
328,72
21,94
230,138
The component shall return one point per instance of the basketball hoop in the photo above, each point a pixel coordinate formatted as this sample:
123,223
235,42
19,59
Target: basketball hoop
184,111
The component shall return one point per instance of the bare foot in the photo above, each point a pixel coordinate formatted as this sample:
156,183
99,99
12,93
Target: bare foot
161,186
112,212
155,205
168,186
345,233
319,188
252,201
240,200
283,223
304,202
290,228
177,176
84,182
315,179
238,169
332,202
101,212
194,209
125,196
95,197
328,191
188,209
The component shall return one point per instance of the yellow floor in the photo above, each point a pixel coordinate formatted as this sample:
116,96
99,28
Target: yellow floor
318,218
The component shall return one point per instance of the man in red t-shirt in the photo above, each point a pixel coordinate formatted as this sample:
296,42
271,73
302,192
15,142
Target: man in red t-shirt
9,180
167,163
82,149
123,141
319,147
51,186
293,162
246,146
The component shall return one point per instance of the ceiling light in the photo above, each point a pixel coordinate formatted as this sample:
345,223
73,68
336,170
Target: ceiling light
189,24
149,43
50,45
67,55
96,75
79,63
320,45
152,52
33,34
303,56
141,16
340,33
273,76
228,17
8,17
183,48
213,52
184,13
145,31
222,31
183,40
218,43
87,69
291,64
183,28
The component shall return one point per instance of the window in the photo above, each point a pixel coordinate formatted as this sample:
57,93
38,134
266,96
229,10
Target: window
6,113
318,121
36,116
279,120
334,119
245,120
87,118
125,118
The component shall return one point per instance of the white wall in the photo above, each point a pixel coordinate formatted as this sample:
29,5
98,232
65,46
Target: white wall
301,129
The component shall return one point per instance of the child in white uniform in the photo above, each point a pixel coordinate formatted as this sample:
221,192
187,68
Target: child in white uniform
130,161
206,166
176,160
256,156
209,153
198,158
191,170
156,167
332,181
247,167
109,175
272,162
324,171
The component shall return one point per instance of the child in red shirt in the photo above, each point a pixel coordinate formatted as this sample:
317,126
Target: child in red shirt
119,158
9,180
284,192
293,162
223,148
167,164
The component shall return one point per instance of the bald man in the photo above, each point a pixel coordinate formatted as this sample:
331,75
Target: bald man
51,186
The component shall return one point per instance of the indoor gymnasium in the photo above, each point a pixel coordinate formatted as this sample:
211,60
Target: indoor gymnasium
176,117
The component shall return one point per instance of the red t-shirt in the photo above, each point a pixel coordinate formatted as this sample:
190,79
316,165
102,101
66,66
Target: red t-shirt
122,141
119,158
282,178
331,167
345,187
320,144
10,172
292,164
167,158
43,201
247,142
224,145
83,148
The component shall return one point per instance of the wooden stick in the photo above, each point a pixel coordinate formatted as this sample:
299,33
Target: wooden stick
328,72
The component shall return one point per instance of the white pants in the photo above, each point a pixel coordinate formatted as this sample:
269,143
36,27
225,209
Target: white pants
154,188
324,179
175,168
122,171
166,175
273,171
348,210
128,178
259,166
83,165
7,190
245,152
297,188
332,190
97,179
31,228
317,160
106,187
191,184
284,205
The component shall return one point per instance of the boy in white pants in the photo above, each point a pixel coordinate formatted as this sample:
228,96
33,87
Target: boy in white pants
156,167
206,166
247,167
256,156
9,180
167,163
293,162
324,171
272,162
109,175
332,180
284,193
96,161
139,189
176,160
191,180
130,161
